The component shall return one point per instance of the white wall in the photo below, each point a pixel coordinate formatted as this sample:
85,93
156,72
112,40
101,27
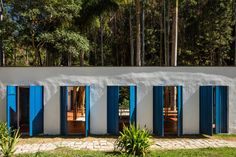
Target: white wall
99,77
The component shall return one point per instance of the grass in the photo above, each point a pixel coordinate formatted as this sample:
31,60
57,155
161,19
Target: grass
206,152
231,137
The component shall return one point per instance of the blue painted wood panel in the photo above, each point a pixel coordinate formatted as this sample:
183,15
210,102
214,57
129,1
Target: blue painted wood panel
224,109
158,104
11,106
87,110
63,109
133,104
218,97
36,110
113,110
206,110
180,109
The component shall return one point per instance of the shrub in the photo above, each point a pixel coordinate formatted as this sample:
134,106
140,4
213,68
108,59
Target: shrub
133,141
8,140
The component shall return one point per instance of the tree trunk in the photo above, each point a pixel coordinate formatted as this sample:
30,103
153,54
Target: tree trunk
138,28
81,58
143,32
174,35
101,38
235,33
1,53
161,33
165,35
69,59
116,43
168,32
1,42
131,37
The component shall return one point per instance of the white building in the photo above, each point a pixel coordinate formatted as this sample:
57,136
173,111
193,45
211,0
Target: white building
39,99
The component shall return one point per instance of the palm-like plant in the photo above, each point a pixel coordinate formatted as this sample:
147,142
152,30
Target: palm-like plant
133,141
8,140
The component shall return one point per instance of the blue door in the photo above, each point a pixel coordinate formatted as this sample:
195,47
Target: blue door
113,110
87,110
36,110
133,104
224,109
11,106
158,104
64,104
221,99
180,109
206,110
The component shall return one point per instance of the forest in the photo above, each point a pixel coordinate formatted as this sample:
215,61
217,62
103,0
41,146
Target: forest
117,33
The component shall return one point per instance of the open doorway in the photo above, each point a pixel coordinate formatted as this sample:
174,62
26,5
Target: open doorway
170,111
75,102
124,107
121,107
76,110
167,110
24,108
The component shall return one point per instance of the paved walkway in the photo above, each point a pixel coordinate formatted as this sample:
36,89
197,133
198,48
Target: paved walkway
108,145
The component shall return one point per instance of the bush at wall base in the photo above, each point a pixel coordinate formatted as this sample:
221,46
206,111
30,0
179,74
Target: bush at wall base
8,140
133,141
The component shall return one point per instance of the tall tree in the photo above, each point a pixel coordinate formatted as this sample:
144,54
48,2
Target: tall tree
235,32
143,32
138,32
131,36
174,34
1,45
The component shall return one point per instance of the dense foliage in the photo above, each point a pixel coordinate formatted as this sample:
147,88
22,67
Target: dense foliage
133,141
117,32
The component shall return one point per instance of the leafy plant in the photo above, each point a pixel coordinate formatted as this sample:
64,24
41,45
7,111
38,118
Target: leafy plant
8,140
124,103
133,141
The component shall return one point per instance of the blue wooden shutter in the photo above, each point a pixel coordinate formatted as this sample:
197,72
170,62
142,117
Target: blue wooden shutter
158,103
87,110
64,104
11,106
206,110
133,104
180,110
113,110
217,109
36,110
224,109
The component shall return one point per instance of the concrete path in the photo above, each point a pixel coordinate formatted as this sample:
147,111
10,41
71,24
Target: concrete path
108,145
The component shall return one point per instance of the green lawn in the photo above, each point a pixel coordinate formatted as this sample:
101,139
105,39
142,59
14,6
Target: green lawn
208,152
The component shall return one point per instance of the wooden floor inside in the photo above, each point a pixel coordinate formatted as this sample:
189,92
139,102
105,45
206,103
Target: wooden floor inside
171,123
75,126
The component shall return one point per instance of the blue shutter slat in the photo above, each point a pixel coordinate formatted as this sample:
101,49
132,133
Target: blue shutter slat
87,107
133,102
206,110
158,102
218,97
64,101
224,109
11,105
180,110
113,110
36,110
